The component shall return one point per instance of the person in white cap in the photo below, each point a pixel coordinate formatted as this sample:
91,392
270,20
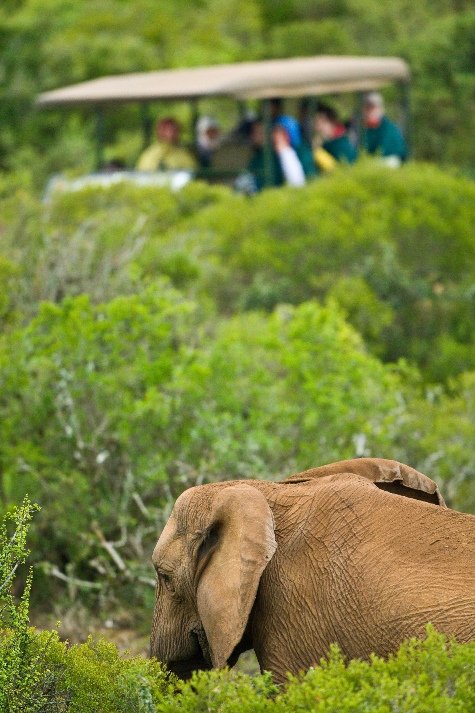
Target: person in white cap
381,135
208,139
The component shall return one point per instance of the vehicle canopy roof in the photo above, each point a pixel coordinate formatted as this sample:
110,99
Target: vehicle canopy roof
301,76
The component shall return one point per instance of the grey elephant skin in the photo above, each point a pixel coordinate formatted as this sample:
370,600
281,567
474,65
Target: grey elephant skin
334,554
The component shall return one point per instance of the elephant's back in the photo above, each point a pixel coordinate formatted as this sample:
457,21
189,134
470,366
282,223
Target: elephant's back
401,563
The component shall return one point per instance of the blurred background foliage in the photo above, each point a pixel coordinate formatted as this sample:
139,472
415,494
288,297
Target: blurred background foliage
44,45
152,340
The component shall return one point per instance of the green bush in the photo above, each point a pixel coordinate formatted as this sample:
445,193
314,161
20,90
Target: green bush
88,241
441,60
109,409
435,430
431,676
19,672
39,673
396,248
94,676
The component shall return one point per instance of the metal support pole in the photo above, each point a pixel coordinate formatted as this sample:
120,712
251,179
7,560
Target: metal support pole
100,137
147,124
269,177
359,119
307,109
406,125
242,109
195,115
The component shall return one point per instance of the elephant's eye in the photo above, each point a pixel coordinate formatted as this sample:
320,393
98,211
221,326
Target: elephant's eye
166,580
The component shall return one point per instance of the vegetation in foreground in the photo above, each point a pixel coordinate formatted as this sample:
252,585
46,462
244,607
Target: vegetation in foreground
40,673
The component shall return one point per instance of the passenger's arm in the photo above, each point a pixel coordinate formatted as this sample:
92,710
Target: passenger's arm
291,166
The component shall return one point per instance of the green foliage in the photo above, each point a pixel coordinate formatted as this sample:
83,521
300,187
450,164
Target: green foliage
94,676
424,676
395,248
433,675
40,673
435,431
112,403
88,241
327,36
442,58
19,672
83,678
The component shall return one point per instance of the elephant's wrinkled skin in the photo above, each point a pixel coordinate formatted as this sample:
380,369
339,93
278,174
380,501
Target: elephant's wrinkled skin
288,568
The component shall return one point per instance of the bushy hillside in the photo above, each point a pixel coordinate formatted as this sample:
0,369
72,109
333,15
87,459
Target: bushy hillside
395,250
152,341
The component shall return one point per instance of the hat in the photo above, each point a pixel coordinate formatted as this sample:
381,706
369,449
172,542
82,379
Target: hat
374,99
292,127
205,123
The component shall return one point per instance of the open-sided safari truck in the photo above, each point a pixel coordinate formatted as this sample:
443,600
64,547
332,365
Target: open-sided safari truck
308,77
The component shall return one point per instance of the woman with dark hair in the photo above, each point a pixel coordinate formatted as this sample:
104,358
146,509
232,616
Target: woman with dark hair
333,136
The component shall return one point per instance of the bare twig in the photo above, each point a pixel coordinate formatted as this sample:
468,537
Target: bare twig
83,584
141,505
147,580
109,548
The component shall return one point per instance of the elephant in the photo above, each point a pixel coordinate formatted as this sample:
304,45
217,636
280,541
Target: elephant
326,556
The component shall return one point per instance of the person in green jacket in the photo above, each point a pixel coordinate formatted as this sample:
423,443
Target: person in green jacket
333,136
382,136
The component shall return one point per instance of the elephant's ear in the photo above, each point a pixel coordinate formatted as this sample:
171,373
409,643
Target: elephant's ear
387,475
238,544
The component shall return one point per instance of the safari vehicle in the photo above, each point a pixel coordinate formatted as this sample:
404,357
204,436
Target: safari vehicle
308,77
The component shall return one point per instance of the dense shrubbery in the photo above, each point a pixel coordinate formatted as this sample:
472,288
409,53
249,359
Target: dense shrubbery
395,249
40,673
429,677
88,242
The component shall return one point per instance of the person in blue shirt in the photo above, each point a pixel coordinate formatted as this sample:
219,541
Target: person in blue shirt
297,141
381,136
290,124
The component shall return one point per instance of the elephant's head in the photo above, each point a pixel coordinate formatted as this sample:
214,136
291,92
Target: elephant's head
209,560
